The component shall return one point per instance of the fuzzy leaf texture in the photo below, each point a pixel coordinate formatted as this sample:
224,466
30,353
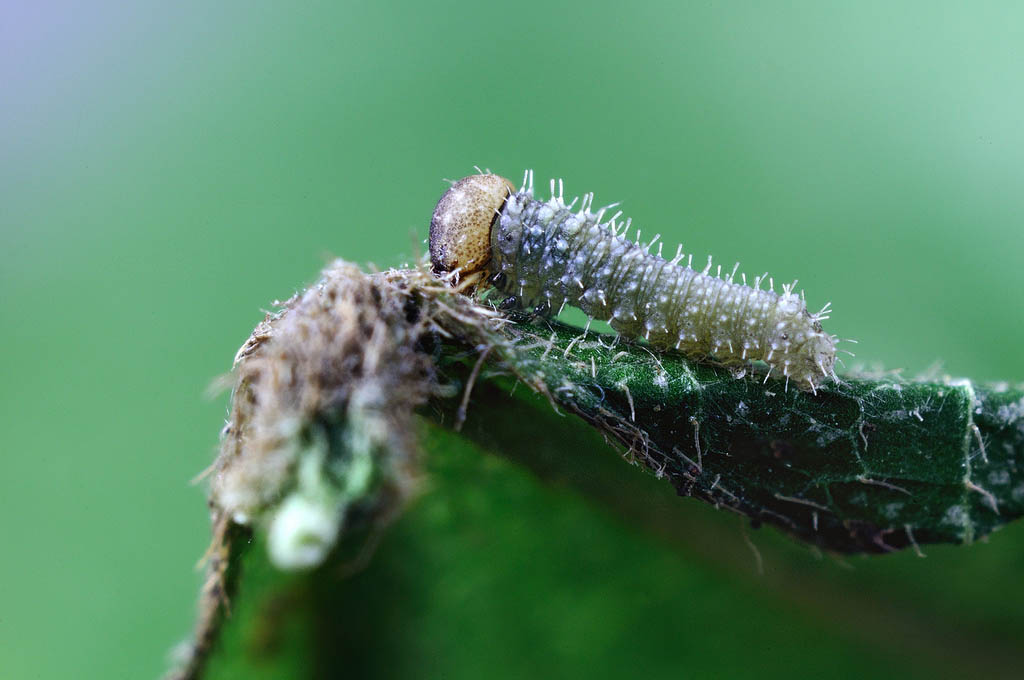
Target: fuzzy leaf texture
868,464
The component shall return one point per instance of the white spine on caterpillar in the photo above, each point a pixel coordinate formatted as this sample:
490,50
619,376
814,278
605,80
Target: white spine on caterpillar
548,253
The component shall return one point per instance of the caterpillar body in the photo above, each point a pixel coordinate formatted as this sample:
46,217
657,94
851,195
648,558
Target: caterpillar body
550,254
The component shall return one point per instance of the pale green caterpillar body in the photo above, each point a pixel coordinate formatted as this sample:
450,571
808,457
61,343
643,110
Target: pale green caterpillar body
547,253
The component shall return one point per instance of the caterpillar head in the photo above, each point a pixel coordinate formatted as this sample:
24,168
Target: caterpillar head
460,230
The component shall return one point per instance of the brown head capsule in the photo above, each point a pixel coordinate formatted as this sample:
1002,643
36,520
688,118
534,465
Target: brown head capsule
460,230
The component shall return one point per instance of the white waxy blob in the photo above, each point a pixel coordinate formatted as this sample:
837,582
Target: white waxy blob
302,532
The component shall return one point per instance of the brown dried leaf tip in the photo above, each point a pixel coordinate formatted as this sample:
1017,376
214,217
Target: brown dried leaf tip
322,417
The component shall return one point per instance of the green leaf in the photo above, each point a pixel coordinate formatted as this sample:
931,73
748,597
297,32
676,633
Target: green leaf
863,465
867,464
490,572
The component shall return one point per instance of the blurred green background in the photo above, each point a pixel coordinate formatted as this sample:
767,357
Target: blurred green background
168,169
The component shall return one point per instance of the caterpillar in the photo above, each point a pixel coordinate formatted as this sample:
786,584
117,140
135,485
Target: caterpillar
548,254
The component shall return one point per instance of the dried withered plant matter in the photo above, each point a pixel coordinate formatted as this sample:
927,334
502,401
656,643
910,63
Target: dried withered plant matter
323,403
322,425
